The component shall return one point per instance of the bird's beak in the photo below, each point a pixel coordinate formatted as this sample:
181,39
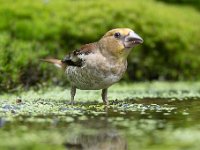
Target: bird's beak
132,39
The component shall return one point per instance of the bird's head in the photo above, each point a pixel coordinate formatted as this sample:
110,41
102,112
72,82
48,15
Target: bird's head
118,42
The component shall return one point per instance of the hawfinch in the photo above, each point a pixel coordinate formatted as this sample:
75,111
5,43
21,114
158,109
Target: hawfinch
98,65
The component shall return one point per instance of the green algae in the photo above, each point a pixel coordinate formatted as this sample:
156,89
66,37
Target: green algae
140,116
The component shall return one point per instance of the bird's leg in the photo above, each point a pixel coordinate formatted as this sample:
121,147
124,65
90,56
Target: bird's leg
104,96
73,93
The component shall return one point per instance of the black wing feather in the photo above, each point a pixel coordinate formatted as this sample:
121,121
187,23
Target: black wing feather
72,59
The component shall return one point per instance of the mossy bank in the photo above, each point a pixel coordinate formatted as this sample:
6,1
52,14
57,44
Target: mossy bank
145,116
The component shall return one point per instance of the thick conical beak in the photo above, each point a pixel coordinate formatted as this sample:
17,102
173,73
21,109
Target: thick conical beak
132,39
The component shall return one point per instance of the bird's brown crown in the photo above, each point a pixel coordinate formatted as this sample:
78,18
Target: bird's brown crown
122,31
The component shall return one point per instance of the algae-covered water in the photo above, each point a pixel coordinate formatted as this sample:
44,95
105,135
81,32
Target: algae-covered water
141,116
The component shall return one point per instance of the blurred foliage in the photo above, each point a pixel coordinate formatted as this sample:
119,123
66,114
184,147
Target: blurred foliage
34,29
194,3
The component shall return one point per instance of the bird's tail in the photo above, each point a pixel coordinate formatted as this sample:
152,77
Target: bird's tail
58,63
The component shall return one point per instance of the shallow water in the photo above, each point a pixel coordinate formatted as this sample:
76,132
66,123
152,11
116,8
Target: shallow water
148,123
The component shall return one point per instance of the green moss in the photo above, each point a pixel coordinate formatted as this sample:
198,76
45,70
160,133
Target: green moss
157,115
30,30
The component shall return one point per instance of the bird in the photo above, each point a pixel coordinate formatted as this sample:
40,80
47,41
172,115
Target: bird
98,65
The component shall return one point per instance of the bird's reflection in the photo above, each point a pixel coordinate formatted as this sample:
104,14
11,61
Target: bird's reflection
108,139
2,122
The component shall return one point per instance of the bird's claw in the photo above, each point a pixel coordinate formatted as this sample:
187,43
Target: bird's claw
71,103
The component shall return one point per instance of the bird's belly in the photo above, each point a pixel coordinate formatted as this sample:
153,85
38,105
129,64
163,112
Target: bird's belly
91,79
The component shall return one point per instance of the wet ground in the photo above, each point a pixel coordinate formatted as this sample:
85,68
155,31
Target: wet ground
150,117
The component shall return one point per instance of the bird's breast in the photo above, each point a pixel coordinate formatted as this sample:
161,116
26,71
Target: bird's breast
95,74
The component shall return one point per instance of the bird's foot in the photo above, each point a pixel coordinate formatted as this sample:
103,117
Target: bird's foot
106,103
71,103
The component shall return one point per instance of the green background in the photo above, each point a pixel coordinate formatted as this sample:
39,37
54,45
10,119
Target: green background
34,29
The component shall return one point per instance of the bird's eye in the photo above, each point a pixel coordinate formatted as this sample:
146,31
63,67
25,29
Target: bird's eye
117,35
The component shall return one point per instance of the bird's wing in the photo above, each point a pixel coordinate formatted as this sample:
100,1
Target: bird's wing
75,58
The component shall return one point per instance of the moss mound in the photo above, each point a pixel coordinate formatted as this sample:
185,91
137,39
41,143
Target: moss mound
33,29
